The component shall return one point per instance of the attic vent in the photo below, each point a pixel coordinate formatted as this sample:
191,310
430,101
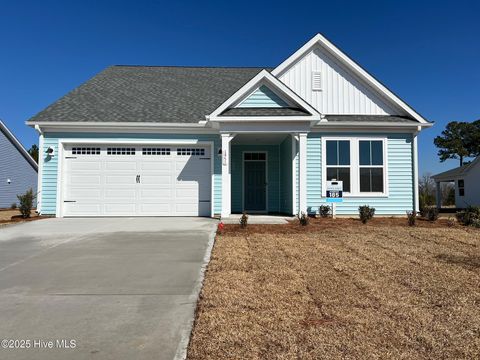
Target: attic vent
316,80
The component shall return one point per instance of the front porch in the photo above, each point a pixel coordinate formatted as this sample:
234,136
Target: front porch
261,173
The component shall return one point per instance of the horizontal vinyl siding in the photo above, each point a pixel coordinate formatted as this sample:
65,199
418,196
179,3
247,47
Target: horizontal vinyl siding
263,97
273,175
15,167
400,178
49,174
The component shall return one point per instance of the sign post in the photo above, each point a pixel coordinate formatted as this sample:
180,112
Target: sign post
334,194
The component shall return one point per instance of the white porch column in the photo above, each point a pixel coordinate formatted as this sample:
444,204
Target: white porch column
438,197
302,155
294,174
226,175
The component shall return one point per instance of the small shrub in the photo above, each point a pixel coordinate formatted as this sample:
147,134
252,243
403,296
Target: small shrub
412,218
476,223
13,206
450,221
324,210
366,213
303,219
244,220
430,213
468,216
26,203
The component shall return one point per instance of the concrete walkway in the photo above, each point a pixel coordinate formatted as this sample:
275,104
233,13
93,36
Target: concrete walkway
120,288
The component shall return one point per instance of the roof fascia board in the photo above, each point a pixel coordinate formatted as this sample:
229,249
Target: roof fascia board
365,129
58,126
371,123
265,118
352,65
261,77
18,145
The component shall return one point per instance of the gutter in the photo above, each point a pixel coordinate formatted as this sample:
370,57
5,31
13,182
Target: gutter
418,126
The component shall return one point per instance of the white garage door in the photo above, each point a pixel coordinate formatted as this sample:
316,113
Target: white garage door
130,180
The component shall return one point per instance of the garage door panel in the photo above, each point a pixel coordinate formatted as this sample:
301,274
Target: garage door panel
187,193
84,193
155,193
85,209
87,180
157,180
120,208
82,165
120,179
156,208
105,183
121,193
159,165
121,165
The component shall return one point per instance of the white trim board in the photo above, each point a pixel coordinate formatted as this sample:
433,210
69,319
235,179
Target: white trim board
320,40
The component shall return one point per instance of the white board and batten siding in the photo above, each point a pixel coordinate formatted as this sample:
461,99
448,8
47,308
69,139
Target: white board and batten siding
135,180
331,89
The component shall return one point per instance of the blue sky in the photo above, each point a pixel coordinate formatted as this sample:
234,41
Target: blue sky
426,52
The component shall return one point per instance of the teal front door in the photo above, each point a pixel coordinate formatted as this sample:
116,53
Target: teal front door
255,182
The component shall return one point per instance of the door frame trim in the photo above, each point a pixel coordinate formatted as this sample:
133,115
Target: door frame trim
266,179
61,167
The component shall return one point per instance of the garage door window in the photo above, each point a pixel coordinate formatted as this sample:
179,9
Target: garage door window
156,151
85,151
191,151
121,151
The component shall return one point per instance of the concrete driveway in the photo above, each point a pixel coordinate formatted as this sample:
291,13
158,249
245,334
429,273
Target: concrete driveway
110,288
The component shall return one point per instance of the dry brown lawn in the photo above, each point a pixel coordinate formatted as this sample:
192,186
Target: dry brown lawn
8,216
341,290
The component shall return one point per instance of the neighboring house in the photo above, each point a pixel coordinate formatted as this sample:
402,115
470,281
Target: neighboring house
466,179
18,171
205,141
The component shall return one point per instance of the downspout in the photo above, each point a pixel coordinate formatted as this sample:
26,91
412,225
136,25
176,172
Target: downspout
415,172
40,169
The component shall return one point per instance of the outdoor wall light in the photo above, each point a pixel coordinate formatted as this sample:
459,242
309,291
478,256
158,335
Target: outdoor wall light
9,181
50,152
219,153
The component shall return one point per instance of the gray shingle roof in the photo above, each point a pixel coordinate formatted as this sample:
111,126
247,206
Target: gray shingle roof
370,118
149,94
264,112
456,172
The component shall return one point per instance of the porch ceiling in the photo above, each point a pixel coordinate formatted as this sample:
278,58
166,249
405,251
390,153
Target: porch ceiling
259,139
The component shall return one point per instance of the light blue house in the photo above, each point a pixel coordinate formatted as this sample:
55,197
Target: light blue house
18,171
206,141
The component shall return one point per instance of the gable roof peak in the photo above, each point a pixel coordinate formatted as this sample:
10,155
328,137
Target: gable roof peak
351,65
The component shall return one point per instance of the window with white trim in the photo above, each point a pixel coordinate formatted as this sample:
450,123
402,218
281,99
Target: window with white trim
371,166
338,162
360,162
